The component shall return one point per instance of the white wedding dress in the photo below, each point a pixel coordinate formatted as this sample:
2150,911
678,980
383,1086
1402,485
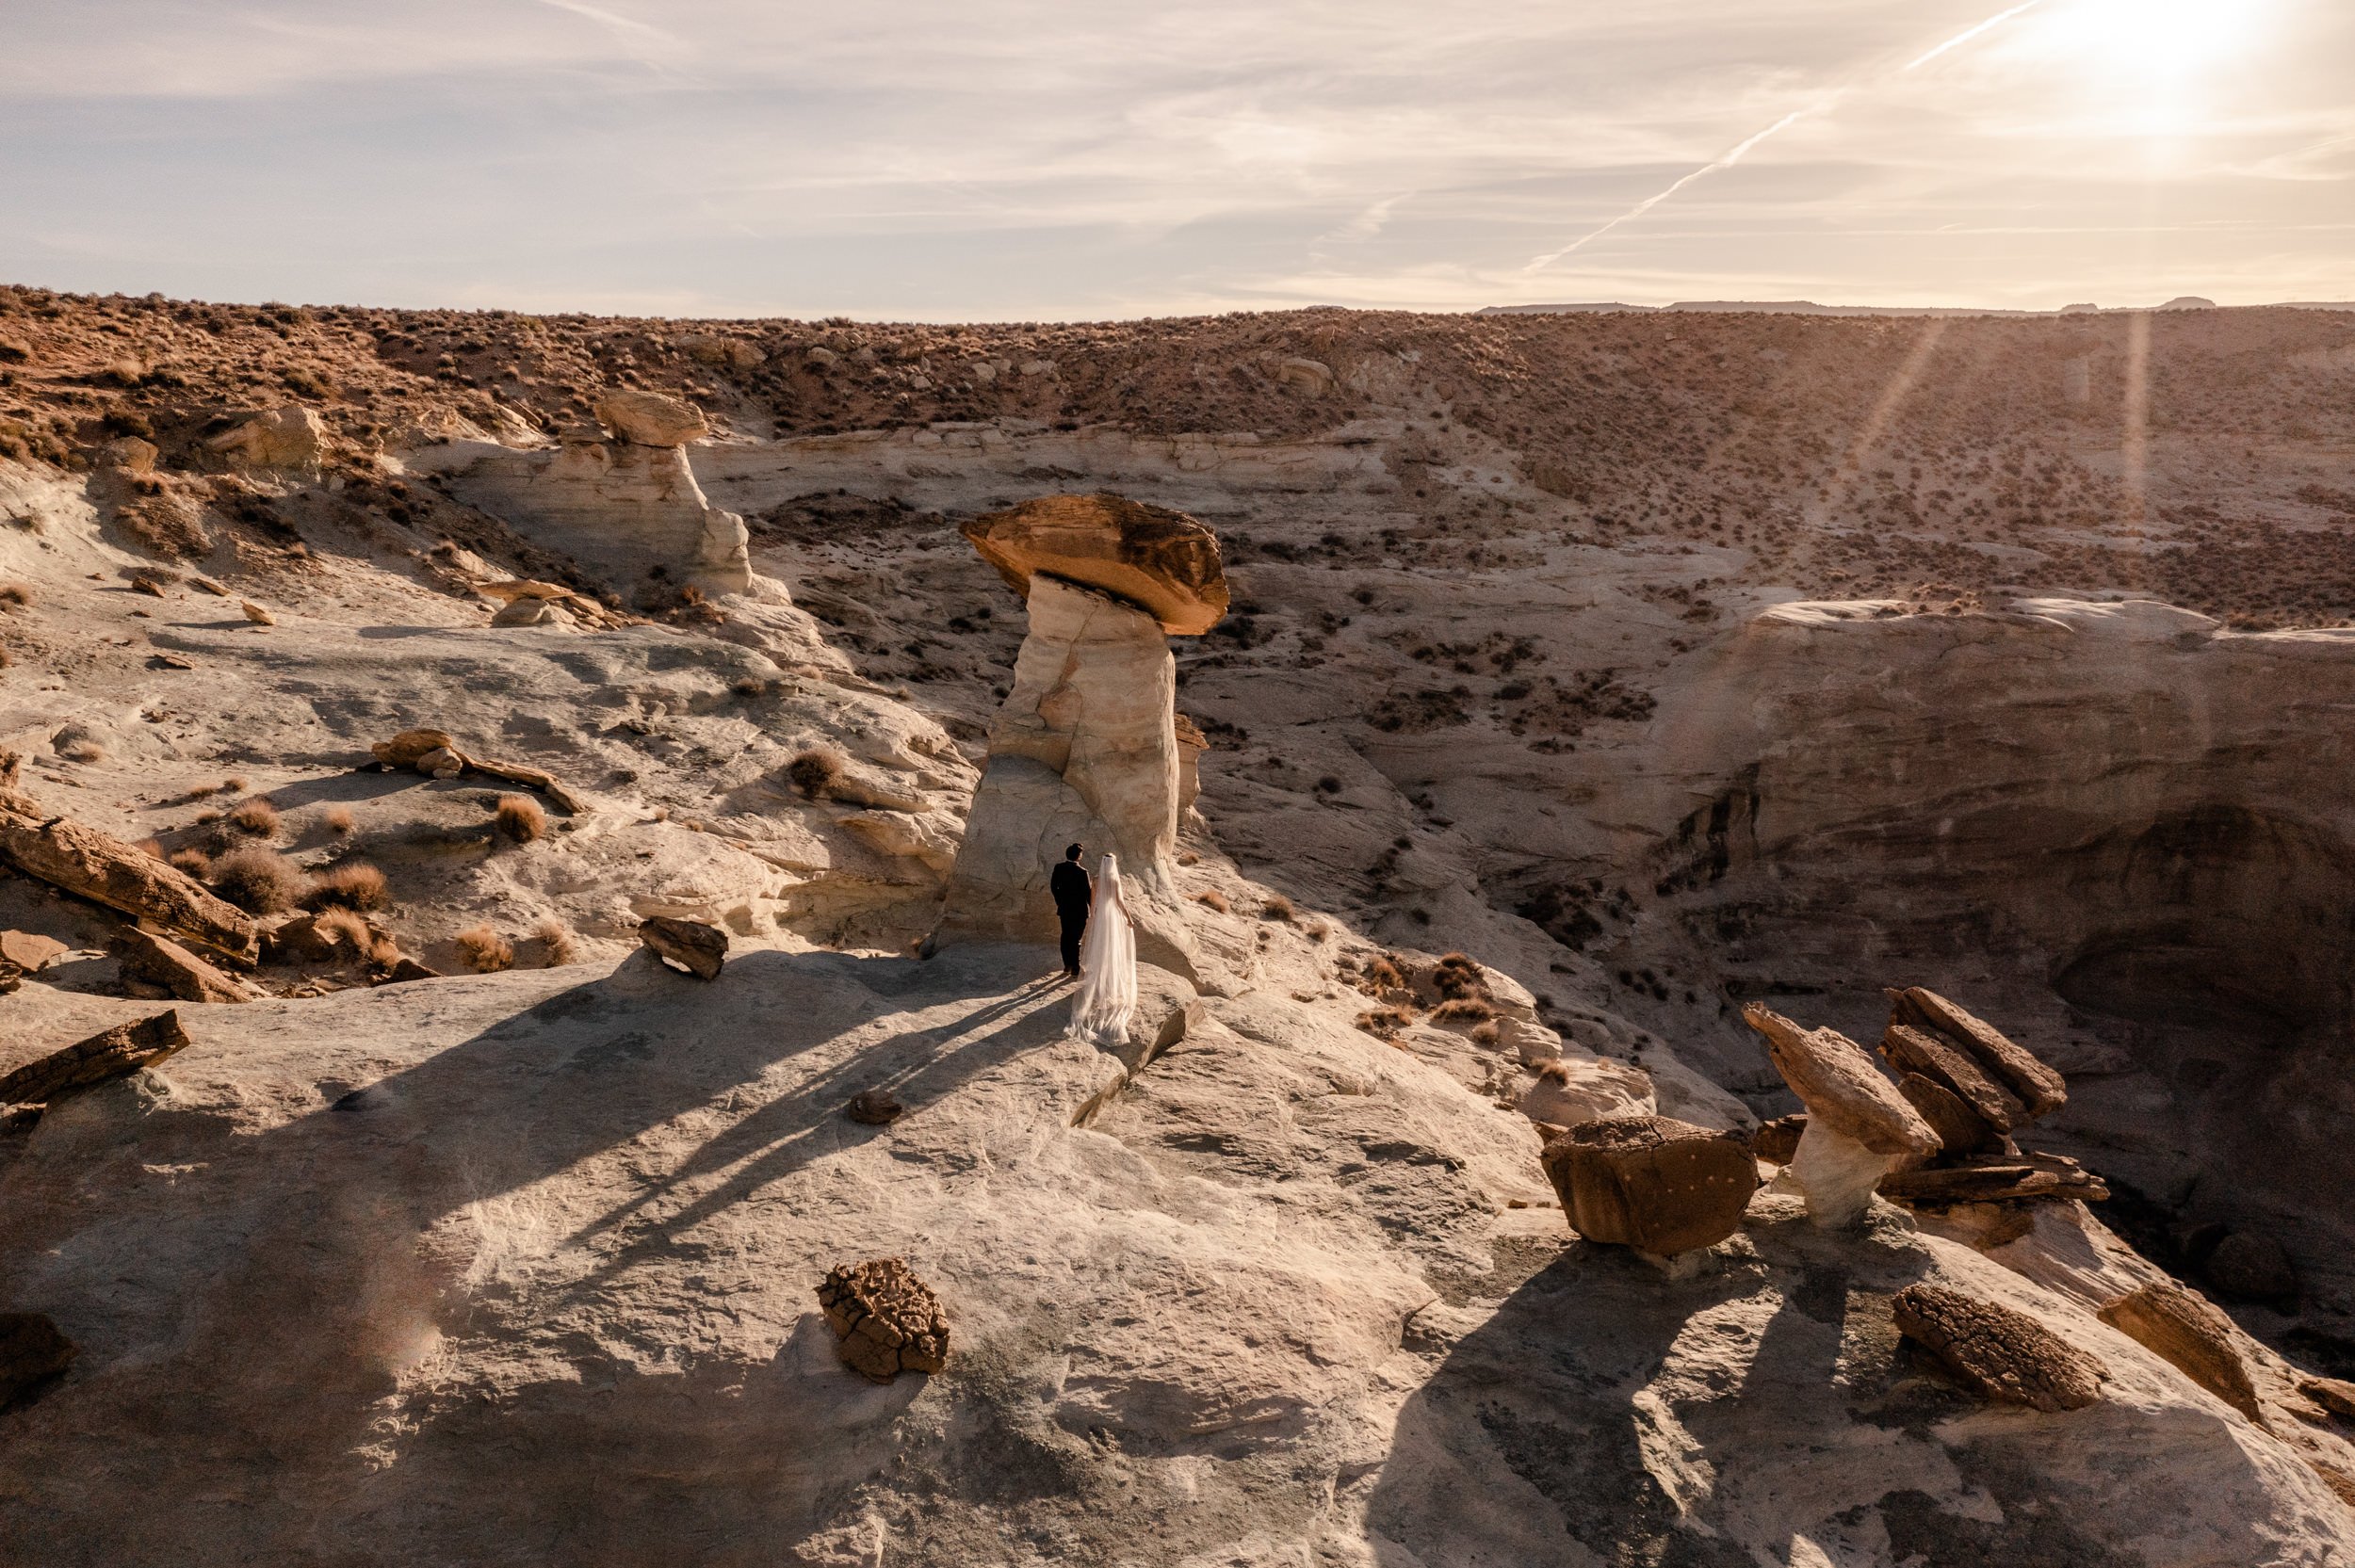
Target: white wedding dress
1106,997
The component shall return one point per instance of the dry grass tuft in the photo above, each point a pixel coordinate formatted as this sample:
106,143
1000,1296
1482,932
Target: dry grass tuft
15,596
339,820
349,928
354,884
816,771
520,819
483,950
152,847
192,862
1385,1022
82,749
1463,1010
233,783
558,945
1211,898
1383,974
1279,908
1458,976
258,880
1487,1034
257,818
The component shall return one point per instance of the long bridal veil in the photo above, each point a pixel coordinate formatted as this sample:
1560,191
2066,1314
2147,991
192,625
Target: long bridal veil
1106,996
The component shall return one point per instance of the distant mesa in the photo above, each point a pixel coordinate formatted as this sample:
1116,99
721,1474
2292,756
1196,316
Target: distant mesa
2188,302
1592,307
1162,561
2089,308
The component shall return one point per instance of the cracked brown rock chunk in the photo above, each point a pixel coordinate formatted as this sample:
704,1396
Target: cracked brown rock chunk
1652,1183
163,962
2190,1334
885,1320
1937,1061
1995,1179
1162,561
108,1054
2001,1354
104,869
1842,1089
2335,1395
2017,1069
1961,1130
698,949
31,1353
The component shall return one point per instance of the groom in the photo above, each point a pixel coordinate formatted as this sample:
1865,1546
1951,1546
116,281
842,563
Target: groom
1068,882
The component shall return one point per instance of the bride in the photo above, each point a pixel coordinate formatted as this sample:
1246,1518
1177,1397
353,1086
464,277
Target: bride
1108,966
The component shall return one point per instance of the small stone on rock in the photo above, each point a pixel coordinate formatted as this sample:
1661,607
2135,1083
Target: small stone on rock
690,944
886,1321
875,1107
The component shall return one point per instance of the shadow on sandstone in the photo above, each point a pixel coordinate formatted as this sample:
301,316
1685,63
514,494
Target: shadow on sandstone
248,1322
1607,1414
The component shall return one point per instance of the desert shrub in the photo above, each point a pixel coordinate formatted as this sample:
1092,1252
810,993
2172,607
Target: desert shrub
233,783
1383,974
1462,1010
816,771
152,847
1211,897
191,861
1458,976
1486,1033
354,884
339,820
350,931
1385,1022
520,819
257,818
1318,930
257,881
82,749
15,595
1279,908
557,944
483,950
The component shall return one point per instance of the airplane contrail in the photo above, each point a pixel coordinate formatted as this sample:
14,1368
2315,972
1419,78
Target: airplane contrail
1741,148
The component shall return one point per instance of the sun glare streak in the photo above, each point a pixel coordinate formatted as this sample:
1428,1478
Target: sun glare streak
1891,397
2134,445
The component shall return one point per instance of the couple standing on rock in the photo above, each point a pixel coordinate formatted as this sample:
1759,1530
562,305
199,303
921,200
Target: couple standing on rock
1100,949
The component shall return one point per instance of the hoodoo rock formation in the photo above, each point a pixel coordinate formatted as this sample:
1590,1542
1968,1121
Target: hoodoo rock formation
1085,748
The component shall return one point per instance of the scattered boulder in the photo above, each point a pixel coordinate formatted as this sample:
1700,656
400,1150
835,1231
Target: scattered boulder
875,1107
1778,1140
525,612
1652,1183
885,1320
30,951
1857,1125
688,945
1997,1352
2190,1334
1313,377
408,969
408,748
289,437
2038,1087
650,419
2251,1267
256,614
1162,561
95,866
161,961
109,1054
32,1352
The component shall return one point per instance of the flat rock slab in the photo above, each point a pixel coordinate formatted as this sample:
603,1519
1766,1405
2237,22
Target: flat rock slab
161,961
1999,1353
689,945
109,1054
2037,1085
2190,1334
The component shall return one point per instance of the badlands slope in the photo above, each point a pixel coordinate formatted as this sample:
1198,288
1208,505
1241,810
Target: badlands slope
1661,664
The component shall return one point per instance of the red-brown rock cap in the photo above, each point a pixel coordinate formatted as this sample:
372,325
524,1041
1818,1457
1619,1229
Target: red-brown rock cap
1162,561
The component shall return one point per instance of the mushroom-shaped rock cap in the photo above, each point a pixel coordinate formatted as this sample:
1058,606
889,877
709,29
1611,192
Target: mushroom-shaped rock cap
650,419
1840,1086
1162,561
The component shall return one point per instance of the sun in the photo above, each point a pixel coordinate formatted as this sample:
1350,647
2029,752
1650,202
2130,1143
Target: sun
2147,67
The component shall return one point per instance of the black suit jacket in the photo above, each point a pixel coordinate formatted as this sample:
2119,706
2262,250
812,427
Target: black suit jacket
1069,884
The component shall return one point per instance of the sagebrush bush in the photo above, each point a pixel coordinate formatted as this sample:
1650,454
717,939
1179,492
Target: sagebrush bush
257,818
816,771
258,880
191,861
520,819
483,950
1279,908
1462,1010
1385,1022
354,884
557,944
1212,898
340,820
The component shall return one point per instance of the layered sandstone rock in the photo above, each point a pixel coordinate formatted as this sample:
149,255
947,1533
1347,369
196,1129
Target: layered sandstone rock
1085,750
2180,1329
291,437
650,419
2000,1354
1158,560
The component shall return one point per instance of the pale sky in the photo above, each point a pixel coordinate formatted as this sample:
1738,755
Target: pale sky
1037,159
